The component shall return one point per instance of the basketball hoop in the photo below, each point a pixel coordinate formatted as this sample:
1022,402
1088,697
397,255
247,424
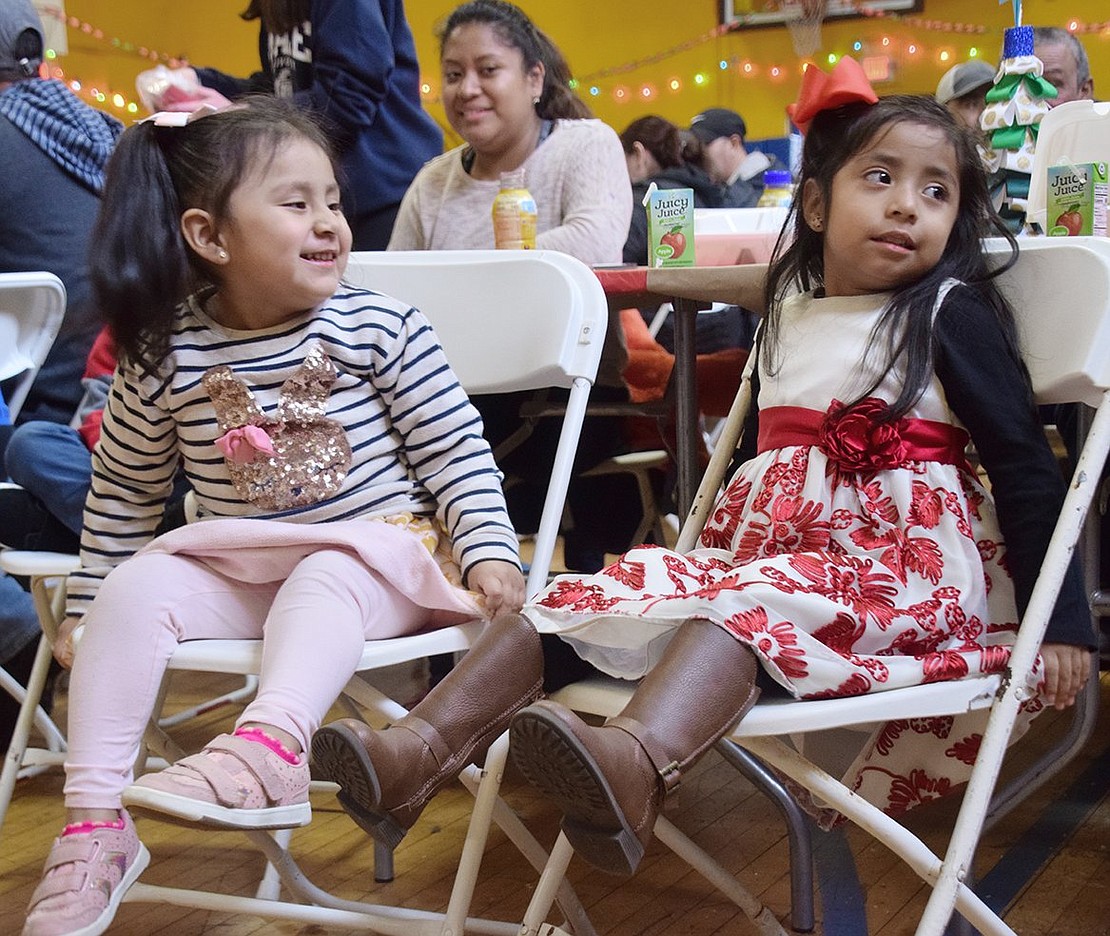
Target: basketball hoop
803,18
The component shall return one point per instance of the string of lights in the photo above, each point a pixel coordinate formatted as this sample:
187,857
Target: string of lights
600,82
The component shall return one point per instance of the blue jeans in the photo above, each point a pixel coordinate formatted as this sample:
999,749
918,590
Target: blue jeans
50,461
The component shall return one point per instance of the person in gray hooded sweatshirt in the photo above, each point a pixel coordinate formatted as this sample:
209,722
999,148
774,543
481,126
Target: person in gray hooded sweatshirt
54,150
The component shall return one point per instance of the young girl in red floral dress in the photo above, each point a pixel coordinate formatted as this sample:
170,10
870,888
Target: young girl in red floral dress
854,550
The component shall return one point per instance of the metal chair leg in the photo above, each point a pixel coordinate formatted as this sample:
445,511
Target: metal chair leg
801,845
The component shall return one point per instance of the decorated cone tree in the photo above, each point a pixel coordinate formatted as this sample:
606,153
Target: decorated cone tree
1015,107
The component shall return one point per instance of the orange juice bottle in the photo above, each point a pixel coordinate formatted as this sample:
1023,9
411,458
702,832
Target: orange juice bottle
514,214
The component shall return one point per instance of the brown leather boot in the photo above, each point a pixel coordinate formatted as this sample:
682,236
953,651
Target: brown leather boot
387,777
610,781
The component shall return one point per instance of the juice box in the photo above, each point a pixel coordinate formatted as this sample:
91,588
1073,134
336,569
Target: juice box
1077,199
670,216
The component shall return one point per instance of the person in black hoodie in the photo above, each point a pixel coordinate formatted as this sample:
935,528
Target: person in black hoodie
656,152
353,64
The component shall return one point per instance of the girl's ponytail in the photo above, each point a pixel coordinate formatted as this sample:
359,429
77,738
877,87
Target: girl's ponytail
138,259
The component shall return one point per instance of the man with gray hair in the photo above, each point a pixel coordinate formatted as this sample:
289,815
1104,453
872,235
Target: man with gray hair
1065,64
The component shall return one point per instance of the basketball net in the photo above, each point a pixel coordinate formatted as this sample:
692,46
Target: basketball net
803,19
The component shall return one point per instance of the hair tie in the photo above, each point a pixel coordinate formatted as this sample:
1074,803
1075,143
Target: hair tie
845,84
179,118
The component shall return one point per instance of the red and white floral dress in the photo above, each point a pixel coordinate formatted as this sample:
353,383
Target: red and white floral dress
850,555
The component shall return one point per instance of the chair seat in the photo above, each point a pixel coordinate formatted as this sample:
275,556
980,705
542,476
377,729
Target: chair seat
243,657
28,562
606,696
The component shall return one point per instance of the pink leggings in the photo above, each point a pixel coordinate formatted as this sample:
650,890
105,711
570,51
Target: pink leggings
312,624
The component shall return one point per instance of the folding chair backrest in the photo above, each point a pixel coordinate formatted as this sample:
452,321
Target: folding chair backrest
1060,291
508,320
31,310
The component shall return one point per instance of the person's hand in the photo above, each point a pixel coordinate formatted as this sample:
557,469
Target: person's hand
63,642
187,101
1066,669
501,583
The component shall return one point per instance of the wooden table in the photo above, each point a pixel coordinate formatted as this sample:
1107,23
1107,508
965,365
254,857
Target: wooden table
689,289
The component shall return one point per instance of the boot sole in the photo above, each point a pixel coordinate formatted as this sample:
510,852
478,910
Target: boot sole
340,757
553,760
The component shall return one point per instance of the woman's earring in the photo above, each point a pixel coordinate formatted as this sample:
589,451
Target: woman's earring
222,254
536,100
815,223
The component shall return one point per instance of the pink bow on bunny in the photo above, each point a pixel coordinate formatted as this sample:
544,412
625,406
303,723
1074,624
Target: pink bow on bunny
243,444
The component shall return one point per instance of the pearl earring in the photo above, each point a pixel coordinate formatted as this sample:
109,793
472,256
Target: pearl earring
535,100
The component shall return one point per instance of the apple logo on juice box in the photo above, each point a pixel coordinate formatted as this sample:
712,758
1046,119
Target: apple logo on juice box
1077,200
670,215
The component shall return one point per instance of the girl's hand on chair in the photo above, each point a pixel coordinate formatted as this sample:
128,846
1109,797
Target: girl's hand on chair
501,583
1066,669
63,642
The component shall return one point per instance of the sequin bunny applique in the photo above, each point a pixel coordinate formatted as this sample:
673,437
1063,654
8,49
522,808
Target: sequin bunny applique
292,458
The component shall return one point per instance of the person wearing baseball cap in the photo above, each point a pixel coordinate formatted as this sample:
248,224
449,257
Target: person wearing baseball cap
54,150
727,160
963,88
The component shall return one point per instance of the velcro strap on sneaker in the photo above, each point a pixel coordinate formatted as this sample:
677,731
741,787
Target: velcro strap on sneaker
72,849
55,885
665,765
252,756
428,734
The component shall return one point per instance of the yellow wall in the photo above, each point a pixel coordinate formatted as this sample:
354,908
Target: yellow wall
600,36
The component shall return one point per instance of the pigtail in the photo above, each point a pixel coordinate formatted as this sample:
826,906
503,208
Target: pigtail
138,258
557,100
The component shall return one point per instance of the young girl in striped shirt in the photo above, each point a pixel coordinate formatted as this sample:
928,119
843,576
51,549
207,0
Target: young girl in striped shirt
343,488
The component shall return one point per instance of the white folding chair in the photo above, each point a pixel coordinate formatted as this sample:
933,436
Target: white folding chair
508,320
32,306
31,309
1066,345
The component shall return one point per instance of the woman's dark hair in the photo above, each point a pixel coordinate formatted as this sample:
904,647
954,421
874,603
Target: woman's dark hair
141,267
906,327
516,30
658,136
280,16
693,151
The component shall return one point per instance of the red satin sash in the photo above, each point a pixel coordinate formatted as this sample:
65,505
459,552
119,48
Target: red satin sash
923,439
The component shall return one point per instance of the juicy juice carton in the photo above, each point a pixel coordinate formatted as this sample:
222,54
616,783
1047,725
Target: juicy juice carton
1077,199
670,216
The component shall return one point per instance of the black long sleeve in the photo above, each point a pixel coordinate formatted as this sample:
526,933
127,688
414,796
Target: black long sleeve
985,383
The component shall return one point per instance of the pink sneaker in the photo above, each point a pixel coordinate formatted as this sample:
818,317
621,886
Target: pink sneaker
232,783
84,880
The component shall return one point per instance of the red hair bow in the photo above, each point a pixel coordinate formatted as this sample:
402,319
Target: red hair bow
845,84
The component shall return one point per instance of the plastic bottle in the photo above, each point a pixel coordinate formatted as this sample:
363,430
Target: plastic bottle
514,214
778,191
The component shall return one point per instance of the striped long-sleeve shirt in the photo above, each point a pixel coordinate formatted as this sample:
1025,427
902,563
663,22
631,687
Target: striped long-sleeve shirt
416,442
